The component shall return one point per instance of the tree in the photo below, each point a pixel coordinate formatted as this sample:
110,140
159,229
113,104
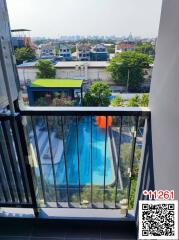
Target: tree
98,95
146,48
111,49
57,51
128,67
134,101
45,69
144,101
24,54
138,101
117,102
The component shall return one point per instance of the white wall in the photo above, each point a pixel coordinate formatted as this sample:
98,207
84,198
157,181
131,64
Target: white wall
92,74
164,100
26,74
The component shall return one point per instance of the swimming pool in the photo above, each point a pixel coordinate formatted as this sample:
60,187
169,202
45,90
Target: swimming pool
80,152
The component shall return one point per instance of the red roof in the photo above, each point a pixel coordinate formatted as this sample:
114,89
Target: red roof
124,46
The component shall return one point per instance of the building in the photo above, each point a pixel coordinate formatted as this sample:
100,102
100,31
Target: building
88,71
124,46
27,72
21,38
65,52
83,52
66,87
41,198
98,53
45,51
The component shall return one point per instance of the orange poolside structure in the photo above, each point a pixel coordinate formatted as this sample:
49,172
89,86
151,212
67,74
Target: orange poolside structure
102,121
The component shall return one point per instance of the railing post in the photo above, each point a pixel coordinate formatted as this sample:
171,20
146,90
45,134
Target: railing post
146,172
22,140
132,157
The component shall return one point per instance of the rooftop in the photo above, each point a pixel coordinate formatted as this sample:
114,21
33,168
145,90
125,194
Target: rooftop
58,83
125,46
73,64
27,64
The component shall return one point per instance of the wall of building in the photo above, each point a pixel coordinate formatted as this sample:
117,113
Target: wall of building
9,85
90,74
164,101
26,74
87,73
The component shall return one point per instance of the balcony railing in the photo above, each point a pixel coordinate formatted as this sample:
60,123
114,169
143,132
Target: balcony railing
70,157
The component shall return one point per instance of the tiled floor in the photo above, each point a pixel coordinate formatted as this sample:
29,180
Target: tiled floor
25,229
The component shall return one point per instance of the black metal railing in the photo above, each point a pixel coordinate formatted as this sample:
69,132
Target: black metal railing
16,185
70,157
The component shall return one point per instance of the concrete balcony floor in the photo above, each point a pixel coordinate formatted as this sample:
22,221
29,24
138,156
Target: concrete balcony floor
38,229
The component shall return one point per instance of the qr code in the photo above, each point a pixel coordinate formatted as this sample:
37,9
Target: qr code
158,220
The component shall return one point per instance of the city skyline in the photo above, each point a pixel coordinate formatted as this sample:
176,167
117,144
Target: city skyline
102,17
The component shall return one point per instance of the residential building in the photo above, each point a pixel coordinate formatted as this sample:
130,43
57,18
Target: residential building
62,171
65,52
98,53
21,38
83,52
18,36
45,51
124,46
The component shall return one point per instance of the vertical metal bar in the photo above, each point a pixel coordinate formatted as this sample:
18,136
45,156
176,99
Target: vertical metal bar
19,144
132,155
52,160
104,189
7,172
65,160
12,160
38,159
78,153
27,165
91,161
118,162
3,189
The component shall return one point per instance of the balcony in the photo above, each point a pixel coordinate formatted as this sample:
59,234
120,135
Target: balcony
79,173
71,163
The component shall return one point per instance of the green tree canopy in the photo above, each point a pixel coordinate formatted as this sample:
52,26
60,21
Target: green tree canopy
98,95
138,101
144,101
111,49
129,64
146,48
45,69
117,102
134,101
24,54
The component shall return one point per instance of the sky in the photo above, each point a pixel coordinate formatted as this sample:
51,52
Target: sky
54,18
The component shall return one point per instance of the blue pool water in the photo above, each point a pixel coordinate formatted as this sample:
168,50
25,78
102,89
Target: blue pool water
82,172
